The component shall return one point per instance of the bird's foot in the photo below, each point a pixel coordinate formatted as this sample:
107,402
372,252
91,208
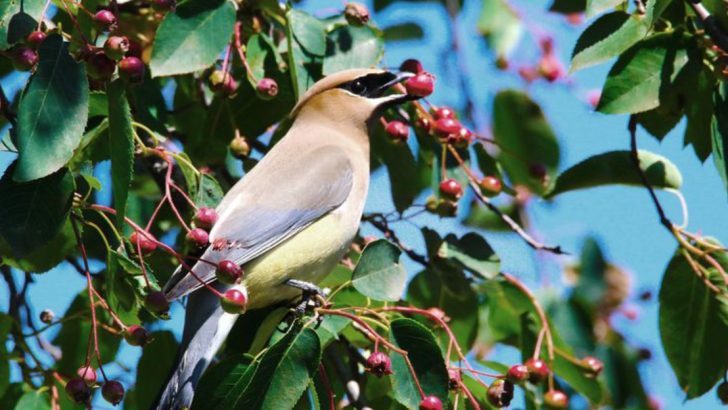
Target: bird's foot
311,298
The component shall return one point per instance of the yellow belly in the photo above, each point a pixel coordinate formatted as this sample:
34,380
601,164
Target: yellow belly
308,256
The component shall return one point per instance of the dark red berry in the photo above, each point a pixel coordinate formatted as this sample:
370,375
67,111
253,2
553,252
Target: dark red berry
100,67
356,14
490,186
443,112
135,49
234,302
379,364
537,171
77,390
205,218
424,124
143,241
113,392
239,147
430,403
116,47
198,237
593,366
538,370
421,85
24,58
157,303
411,66
267,88
451,189
136,335
555,399
228,272
517,374
444,127
500,393
87,374
461,139
35,38
397,131
454,378
131,70
163,6
722,392
105,20
222,83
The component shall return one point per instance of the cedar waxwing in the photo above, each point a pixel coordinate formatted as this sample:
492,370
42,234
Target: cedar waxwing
292,217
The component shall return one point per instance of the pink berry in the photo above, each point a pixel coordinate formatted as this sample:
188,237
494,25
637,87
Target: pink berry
430,403
451,189
205,218
87,374
421,85
228,272
198,237
35,38
142,241
222,83
113,392
538,370
116,46
556,399
356,14
267,88
444,127
443,112
234,302
397,131
131,69
550,68
379,364
24,58
517,374
411,66
454,378
136,335
77,390
105,20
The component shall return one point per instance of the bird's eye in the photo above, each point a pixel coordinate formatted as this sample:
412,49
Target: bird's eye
357,87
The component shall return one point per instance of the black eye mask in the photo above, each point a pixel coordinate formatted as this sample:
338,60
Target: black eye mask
372,85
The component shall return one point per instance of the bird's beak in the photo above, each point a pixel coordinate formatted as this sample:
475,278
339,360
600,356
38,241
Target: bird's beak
393,99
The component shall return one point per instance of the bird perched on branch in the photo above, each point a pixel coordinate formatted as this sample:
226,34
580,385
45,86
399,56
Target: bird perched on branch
289,220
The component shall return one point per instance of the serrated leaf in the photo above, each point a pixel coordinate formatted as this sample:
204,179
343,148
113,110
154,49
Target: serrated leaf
609,36
353,47
379,274
617,167
471,252
192,37
121,147
52,113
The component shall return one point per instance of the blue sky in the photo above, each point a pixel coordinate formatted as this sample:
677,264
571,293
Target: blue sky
622,218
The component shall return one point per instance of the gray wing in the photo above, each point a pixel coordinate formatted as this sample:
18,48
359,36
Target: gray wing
277,199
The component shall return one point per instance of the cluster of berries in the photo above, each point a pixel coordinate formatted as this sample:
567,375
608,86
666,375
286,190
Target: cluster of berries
79,388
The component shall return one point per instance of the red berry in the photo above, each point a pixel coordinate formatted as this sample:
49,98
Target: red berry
136,335
593,365
116,46
555,399
451,189
500,393
722,392
87,374
267,88
356,14
35,38
113,392
198,237
443,112
379,364
538,370
537,171
77,390
105,20
490,186
550,68
430,403
575,18
143,241
157,303
131,69
135,49
100,67
234,302
517,374
446,126
411,66
421,85
164,5
528,74
205,218
460,139
222,83
397,130
424,123
24,58
228,272
239,147
453,379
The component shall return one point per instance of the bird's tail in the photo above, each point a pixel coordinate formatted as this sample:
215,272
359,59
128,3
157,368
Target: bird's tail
206,327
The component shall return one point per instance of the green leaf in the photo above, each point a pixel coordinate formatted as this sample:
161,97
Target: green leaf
698,111
192,37
34,400
209,192
33,212
153,368
633,83
427,361
119,292
691,328
401,169
525,138
52,113
379,275
481,217
17,19
258,51
719,127
98,105
594,7
403,32
353,47
471,252
501,26
609,36
306,37
6,324
308,31
213,382
44,257
121,147
617,167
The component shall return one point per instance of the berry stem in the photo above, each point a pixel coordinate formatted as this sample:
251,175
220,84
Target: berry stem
539,311
327,385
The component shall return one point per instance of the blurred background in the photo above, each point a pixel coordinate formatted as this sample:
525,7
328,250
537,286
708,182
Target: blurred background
623,220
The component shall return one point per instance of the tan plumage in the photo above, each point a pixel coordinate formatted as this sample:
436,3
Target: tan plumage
292,217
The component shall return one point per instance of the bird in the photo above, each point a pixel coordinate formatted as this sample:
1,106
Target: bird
289,220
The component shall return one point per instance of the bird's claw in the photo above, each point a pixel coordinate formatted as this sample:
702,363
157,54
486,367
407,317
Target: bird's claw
311,299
